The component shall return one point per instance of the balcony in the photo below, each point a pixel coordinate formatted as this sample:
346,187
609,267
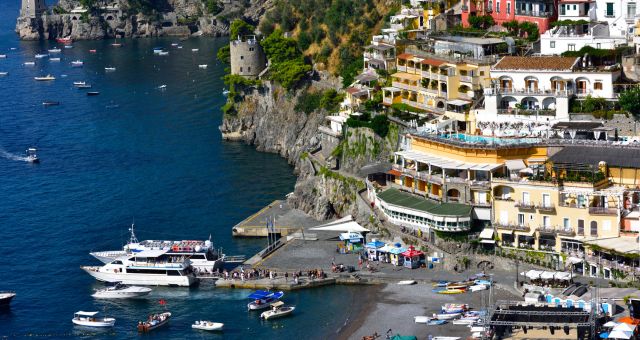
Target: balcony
566,232
525,205
401,68
546,230
525,112
387,101
527,92
480,185
538,14
546,207
481,204
512,226
405,86
436,179
602,211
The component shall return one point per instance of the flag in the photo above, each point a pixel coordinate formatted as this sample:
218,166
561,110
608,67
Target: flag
162,302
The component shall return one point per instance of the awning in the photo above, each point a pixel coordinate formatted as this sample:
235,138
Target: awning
391,89
394,173
515,164
573,260
488,241
458,102
351,226
445,163
486,233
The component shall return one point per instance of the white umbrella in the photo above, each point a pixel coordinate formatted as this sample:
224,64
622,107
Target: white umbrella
624,327
619,335
610,324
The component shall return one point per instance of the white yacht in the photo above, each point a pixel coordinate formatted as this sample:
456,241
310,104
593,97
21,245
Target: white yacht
55,50
204,258
77,63
147,268
120,291
90,319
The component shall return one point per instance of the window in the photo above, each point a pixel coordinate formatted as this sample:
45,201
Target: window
608,12
490,5
521,219
552,44
597,85
562,10
508,8
631,9
249,69
546,200
481,73
497,6
593,228
241,57
525,197
580,227
546,222
566,224
240,68
598,45
572,47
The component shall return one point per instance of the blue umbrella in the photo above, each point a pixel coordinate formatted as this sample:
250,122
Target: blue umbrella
604,335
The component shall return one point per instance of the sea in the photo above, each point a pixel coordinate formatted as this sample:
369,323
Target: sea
133,153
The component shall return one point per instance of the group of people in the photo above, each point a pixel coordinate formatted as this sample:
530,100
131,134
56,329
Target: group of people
254,274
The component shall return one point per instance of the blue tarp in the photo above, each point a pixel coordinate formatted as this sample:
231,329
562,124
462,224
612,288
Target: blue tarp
259,294
397,251
375,244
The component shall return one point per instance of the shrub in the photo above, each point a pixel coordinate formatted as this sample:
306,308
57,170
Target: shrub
287,63
240,28
380,125
630,101
213,7
308,102
224,54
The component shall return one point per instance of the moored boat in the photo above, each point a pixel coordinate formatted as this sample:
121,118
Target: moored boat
77,63
41,55
29,63
48,77
92,51
120,291
447,316
90,319
421,319
154,321
66,40
109,69
278,310
3,56
163,53
263,299
6,297
407,282
436,322
55,50
451,291
54,59
84,86
2,74
195,50
93,93
78,83
50,103
203,66
207,326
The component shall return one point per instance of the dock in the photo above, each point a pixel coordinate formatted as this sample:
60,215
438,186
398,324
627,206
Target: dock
287,221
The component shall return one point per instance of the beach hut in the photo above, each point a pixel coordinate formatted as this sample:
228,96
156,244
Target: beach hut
351,242
395,255
413,258
372,249
385,253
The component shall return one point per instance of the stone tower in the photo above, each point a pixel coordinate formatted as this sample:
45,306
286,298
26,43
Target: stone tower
247,57
32,8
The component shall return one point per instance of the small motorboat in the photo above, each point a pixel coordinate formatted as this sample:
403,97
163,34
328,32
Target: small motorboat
278,310
174,44
421,319
54,59
77,63
2,74
68,46
32,155
163,53
78,83
162,87
50,103
41,55
92,51
90,319
477,288
3,56
207,325
407,282
441,284
179,47
6,297
447,316
454,308
157,50
55,50
29,63
93,93
154,321
48,77
195,50
203,66
482,282
66,40
116,45
436,322
120,291
262,299
13,48
225,92
83,87
109,69
451,291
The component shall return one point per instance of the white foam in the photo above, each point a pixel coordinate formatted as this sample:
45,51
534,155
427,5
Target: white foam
13,157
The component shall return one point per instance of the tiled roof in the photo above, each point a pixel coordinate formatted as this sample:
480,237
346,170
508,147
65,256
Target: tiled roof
434,62
547,63
405,56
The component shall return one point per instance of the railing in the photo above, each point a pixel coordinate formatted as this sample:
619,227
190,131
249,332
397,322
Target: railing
602,211
405,86
546,207
435,179
566,232
481,204
546,230
456,180
479,184
387,100
467,79
525,205
512,91
571,205
539,14
526,112
511,226
401,68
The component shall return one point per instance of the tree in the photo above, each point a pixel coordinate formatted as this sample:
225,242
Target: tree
240,28
213,7
380,125
630,101
224,54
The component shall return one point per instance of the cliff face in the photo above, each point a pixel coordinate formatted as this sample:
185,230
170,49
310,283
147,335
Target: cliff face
268,120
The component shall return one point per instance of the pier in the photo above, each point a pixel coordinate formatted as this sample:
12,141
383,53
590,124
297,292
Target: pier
287,221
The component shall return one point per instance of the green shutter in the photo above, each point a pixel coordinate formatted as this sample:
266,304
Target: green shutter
609,8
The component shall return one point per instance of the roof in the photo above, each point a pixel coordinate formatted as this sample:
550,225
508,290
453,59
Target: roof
543,63
399,198
412,252
366,77
577,125
351,226
486,233
619,244
405,56
430,61
86,313
614,157
458,102
515,164
150,253
446,163
380,47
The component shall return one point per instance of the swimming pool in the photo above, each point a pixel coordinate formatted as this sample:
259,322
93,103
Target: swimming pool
475,139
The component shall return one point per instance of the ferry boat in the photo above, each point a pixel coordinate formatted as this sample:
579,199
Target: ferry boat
48,77
201,254
66,40
77,63
147,268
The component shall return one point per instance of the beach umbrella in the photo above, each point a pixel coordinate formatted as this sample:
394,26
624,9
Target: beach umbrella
624,327
620,335
610,324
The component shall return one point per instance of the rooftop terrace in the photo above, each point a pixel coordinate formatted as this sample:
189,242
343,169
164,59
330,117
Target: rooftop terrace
399,198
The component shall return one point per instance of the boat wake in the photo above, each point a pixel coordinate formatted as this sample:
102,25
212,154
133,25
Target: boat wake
13,157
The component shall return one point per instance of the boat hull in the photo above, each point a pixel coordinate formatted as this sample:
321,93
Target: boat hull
107,322
121,294
5,298
140,279
143,328
214,326
282,312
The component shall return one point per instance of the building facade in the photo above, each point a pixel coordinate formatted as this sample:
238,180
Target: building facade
541,13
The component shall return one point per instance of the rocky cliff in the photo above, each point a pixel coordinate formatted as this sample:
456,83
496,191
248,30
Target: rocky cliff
268,120
167,18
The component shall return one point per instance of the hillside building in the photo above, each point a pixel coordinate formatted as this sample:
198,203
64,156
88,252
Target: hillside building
247,57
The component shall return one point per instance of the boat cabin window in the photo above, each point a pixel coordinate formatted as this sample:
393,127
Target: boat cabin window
116,262
198,256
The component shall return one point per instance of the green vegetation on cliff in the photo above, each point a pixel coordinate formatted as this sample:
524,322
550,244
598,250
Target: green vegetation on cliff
286,63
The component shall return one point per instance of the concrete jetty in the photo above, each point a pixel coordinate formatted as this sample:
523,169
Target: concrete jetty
287,221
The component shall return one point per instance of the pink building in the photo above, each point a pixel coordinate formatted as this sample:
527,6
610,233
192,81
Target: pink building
542,12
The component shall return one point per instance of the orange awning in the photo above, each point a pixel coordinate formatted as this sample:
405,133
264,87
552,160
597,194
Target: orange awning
395,173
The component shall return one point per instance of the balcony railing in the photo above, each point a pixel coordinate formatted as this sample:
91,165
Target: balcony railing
546,207
401,68
566,232
456,180
538,14
512,226
525,112
437,179
546,230
527,92
602,211
481,204
467,79
474,184
404,86
525,205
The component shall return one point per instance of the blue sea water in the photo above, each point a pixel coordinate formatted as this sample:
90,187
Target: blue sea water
156,157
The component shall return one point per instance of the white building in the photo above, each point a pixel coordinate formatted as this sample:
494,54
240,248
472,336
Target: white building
609,25
539,88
